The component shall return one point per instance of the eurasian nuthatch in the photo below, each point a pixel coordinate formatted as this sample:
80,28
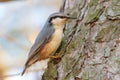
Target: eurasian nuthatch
48,40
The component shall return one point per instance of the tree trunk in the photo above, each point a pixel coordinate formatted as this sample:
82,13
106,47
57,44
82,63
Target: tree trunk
90,48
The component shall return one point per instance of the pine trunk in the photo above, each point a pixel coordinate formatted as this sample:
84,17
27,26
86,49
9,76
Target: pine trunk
90,48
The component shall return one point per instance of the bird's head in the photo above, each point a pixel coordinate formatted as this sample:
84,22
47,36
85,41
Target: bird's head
59,19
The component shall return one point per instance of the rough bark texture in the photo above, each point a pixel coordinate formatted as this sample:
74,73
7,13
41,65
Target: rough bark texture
91,46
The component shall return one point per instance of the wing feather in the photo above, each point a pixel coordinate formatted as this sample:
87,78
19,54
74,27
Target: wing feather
42,38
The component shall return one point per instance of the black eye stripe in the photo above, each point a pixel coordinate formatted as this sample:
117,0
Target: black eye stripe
56,17
59,17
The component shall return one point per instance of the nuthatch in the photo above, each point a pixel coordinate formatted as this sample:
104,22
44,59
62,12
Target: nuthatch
48,40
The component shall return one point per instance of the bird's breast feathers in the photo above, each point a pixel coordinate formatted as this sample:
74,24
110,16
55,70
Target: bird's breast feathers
53,44
56,39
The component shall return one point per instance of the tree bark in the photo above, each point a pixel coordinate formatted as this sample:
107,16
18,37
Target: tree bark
90,48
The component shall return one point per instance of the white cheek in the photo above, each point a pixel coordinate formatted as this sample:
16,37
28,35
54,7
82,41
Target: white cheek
57,20
58,23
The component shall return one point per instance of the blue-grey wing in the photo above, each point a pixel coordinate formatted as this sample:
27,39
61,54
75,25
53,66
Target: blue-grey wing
42,38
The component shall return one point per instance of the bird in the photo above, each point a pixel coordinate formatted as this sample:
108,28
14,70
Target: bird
48,39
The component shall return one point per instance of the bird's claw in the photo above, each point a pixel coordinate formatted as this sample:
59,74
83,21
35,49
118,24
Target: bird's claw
55,57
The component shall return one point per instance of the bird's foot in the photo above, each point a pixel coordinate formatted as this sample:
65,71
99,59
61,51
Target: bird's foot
55,57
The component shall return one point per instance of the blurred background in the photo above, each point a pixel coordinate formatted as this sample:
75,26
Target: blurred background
20,22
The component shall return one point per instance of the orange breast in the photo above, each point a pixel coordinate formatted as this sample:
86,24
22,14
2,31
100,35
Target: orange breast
52,45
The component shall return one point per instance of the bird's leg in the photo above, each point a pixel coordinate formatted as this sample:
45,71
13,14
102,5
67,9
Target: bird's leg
56,59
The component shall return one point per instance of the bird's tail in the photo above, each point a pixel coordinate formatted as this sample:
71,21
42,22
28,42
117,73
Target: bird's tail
23,71
29,62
